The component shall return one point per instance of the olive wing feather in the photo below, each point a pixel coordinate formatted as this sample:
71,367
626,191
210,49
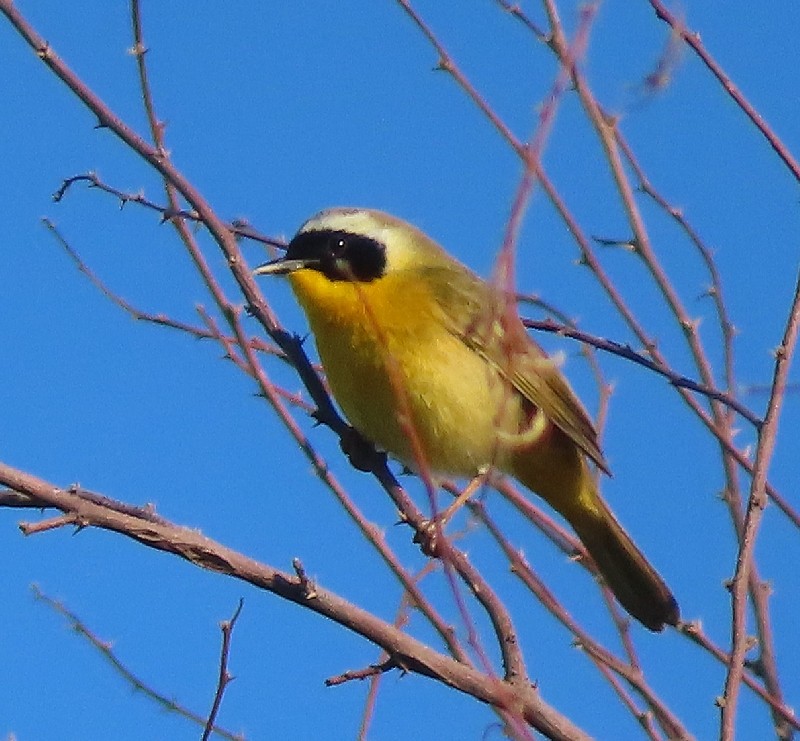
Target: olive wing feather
474,312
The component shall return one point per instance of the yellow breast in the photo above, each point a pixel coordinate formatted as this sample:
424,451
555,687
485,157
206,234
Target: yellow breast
385,349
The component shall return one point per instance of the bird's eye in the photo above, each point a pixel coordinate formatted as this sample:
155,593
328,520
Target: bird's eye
340,255
338,247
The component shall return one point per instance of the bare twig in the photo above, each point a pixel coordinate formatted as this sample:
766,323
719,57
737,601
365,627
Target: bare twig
226,626
237,227
138,314
695,633
368,672
105,650
31,528
601,656
627,352
694,43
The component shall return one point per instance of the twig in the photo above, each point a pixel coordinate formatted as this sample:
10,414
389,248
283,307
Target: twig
600,655
138,314
226,626
31,528
370,671
400,621
237,227
694,632
105,650
693,40
628,353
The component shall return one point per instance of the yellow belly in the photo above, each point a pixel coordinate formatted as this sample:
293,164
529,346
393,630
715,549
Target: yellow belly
381,358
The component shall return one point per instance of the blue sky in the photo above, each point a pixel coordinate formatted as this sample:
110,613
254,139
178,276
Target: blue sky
274,111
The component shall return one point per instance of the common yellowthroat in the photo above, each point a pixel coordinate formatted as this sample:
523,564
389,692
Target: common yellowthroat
411,339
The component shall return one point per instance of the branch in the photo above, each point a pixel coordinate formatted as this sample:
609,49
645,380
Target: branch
410,653
693,40
226,626
755,509
108,654
628,353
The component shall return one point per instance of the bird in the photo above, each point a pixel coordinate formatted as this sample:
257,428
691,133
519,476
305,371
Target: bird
428,362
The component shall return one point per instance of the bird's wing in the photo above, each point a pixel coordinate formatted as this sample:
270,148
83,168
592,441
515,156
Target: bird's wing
474,312
539,380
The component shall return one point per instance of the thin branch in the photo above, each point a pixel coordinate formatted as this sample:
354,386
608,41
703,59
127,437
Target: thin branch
138,314
32,528
693,40
224,679
237,227
400,621
600,655
755,509
369,672
105,650
628,353
694,632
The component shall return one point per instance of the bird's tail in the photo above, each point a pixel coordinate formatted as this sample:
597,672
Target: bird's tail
636,584
561,476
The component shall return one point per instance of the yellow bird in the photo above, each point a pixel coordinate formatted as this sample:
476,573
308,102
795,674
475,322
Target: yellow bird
411,339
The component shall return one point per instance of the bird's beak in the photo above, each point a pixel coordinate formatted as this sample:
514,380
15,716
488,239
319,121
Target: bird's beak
282,266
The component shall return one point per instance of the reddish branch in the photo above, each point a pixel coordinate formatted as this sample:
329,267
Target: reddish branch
414,656
755,509
692,39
